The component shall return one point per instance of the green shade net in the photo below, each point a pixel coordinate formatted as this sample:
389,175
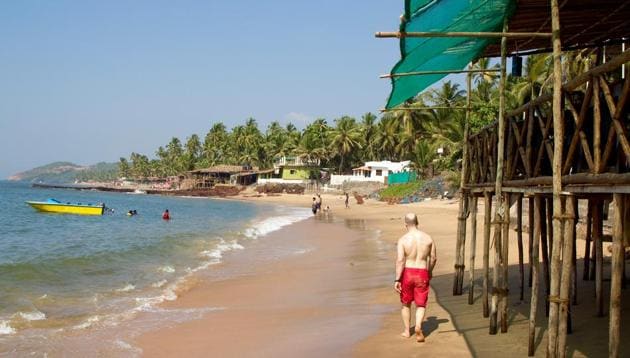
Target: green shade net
442,53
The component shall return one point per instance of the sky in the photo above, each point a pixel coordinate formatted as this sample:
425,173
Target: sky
90,81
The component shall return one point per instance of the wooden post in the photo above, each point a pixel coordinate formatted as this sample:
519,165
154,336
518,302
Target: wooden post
501,210
545,250
616,273
519,237
530,218
574,279
565,277
599,260
587,245
487,219
505,261
461,237
533,307
463,204
473,250
558,136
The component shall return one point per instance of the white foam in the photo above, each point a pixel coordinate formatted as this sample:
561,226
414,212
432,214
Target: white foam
5,328
89,322
159,284
167,269
32,316
217,252
127,288
275,223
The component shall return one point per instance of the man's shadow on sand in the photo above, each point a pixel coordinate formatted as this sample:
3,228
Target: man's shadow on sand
430,325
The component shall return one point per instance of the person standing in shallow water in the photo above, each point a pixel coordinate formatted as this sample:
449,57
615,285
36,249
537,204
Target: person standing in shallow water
166,215
415,259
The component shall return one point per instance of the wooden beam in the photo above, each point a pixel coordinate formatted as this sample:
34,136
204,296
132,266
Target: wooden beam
565,275
441,72
473,250
421,108
400,34
519,238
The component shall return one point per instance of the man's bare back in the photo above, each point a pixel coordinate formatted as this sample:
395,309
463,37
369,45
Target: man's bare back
417,247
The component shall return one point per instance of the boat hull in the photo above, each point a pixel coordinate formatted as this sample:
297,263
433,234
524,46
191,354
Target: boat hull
67,208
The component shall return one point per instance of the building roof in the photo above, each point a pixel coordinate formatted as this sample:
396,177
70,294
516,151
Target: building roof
230,169
583,23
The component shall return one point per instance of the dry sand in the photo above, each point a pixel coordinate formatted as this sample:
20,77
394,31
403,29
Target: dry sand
338,300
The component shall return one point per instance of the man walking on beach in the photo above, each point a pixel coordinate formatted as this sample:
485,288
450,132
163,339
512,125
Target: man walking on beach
416,257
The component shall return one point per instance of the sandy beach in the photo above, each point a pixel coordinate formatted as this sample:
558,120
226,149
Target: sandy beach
337,299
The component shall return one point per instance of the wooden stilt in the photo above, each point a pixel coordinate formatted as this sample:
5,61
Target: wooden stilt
487,219
574,280
587,245
462,248
553,348
473,250
533,307
599,260
563,301
545,250
616,276
503,304
530,218
519,237
461,234
501,211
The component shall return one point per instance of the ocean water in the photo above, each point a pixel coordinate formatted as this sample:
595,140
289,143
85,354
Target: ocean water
67,273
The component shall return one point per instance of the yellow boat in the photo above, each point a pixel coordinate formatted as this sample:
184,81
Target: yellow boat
55,206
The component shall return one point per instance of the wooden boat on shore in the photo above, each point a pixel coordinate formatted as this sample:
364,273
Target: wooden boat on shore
55,206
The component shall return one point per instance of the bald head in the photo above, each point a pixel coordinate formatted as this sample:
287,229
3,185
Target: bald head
411,219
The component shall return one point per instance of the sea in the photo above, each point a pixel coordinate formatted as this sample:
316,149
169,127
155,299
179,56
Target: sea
71,280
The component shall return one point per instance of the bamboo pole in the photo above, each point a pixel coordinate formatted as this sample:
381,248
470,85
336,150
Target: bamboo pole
574,279
464,181
558,136
533,307
565,277
505,261
519,237
530,218
441,72
421,108
461,237
599,260
473,250
486,250
616,277
504,34
597,128
587,245
545,250
500,213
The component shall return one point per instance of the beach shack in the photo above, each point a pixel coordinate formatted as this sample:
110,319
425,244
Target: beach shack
373,171
291,170
564,157
207,178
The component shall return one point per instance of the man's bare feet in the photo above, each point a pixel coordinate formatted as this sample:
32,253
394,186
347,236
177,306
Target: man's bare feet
419,336
405,334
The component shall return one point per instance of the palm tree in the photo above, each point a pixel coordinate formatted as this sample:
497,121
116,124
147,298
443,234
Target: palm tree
537,77
345,138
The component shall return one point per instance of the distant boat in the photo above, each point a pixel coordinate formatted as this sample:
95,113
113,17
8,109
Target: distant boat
55,206
138,191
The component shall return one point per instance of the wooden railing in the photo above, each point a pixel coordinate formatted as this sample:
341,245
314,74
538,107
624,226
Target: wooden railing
595,128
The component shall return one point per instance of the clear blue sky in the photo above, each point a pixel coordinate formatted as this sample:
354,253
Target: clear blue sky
89,81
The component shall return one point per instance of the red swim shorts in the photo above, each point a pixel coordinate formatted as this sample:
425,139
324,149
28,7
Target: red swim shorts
415,286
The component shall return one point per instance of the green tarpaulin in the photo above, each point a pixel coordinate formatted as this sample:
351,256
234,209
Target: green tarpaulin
442,53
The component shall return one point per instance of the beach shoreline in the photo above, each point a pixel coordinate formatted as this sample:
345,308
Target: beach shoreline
376,292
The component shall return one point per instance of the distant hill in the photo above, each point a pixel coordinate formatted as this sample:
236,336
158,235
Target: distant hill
66,172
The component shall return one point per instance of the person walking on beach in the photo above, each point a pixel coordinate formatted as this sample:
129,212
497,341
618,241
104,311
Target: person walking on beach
347,200
319,202
416,258
314,206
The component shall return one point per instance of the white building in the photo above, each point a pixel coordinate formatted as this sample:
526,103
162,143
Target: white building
372,172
